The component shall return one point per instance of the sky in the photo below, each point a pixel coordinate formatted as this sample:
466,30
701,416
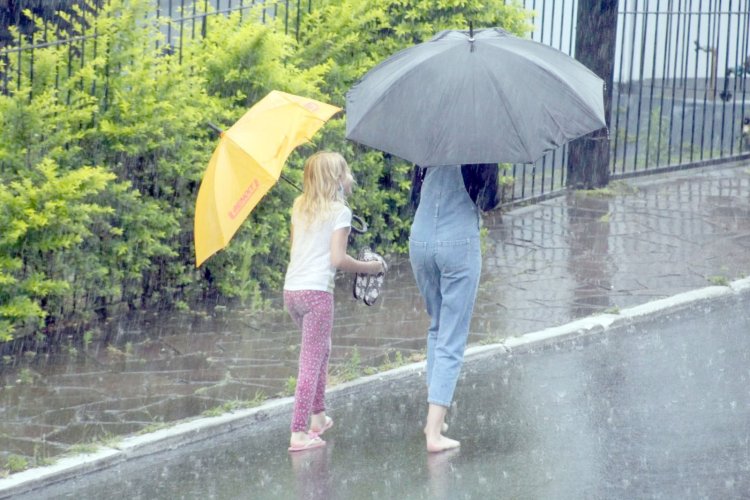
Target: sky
658,36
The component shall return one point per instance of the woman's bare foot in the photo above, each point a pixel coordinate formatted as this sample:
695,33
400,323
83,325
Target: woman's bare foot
434,428
441,443
443,430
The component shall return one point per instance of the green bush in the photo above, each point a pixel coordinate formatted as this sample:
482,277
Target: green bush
103,150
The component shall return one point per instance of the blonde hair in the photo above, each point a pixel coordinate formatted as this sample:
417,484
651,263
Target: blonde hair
322,185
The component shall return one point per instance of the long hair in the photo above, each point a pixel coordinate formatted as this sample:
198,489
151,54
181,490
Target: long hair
480,181
322,186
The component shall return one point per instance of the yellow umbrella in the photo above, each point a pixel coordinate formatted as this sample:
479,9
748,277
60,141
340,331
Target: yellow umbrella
247,163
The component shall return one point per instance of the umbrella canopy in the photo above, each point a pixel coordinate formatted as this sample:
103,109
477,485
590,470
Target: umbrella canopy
247,162
474,97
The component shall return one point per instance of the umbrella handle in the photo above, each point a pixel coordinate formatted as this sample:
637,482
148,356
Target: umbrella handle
214,127
362,229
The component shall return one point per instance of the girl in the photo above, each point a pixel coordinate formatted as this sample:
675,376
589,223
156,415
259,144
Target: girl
321,221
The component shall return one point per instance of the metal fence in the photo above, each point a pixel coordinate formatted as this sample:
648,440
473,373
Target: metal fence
679,96
190,17
179,19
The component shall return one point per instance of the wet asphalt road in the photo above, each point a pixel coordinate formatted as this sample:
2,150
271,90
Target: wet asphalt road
653,410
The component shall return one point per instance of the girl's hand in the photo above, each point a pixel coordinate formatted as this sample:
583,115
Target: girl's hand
377,267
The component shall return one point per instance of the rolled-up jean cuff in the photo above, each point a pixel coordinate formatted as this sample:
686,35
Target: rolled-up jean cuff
439,403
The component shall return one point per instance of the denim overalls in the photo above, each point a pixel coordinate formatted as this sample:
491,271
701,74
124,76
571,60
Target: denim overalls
446,259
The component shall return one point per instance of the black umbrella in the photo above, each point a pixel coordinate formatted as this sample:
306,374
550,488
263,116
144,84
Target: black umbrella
474,97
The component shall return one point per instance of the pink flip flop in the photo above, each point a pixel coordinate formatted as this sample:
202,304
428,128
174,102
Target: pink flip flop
314,442
328,425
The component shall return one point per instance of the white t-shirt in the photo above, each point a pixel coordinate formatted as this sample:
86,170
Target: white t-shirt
310,261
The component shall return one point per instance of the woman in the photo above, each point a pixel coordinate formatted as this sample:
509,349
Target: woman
446,259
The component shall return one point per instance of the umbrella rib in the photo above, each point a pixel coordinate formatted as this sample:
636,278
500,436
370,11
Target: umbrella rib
508,111
571,93
542,65
386,93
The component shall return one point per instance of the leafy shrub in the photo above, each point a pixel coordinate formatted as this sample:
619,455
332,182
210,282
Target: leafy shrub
103,144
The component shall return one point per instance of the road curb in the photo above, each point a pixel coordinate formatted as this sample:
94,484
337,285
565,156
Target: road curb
200,429
603,322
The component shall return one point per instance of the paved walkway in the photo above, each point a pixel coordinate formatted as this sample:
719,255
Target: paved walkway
544,265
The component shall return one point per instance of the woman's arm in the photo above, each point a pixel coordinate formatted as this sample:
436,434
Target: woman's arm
345,262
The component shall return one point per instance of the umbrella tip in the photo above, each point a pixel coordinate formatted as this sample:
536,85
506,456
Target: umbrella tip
471,31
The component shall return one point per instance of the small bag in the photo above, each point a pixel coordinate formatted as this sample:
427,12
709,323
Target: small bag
367,286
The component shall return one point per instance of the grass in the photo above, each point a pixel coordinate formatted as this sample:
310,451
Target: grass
25,377
495,339
719,280
353,368
40,456
349,370
84,448
234,405
110,440
107,440
15,463
398,360
289,387
153,427
120,353
611,190
88,337
223,382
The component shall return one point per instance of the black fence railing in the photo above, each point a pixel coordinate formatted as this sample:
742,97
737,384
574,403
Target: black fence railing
178,19
189,17
679,95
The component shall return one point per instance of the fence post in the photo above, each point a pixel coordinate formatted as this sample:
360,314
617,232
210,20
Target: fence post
596,33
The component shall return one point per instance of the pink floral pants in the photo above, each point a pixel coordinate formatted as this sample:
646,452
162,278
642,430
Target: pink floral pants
312,311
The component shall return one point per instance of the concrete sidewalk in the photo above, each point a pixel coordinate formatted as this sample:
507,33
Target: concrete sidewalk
545,265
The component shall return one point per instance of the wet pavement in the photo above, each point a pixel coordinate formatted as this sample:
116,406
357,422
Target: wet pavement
544,265
654,408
